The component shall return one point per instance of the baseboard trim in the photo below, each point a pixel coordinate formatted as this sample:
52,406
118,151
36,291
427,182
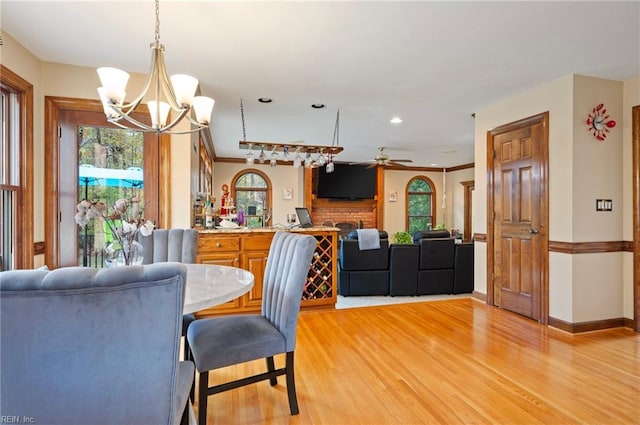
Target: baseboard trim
629,323
479,296
595,325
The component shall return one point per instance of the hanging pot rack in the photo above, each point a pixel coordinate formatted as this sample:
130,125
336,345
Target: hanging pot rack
292,148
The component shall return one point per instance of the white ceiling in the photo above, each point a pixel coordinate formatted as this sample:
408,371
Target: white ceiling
431,63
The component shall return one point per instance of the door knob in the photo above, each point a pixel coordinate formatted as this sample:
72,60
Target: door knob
533,231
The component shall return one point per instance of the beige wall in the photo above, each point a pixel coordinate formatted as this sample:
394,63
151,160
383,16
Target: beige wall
455,198
394,212
451,214
581,169
281,177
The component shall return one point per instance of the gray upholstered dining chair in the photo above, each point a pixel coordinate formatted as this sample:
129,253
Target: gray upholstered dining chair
94,346
163,245
223,341
180,245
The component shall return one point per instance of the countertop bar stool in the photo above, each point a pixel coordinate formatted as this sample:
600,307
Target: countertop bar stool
224,341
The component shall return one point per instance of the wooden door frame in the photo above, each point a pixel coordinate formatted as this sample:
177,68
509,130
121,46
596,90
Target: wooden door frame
53,106
635,137
469,187
542,118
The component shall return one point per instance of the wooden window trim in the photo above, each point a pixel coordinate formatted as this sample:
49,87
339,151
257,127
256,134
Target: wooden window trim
25,219
261,174
432,194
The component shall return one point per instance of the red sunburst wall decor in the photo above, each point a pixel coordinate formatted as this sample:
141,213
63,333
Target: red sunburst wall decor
599,122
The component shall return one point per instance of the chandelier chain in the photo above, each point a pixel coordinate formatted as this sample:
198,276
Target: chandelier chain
157,21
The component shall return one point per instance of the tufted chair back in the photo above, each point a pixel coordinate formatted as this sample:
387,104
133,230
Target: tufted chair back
93,346
178,245
284,279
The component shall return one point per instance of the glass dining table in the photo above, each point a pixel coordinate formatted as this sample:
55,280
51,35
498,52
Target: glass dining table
209,285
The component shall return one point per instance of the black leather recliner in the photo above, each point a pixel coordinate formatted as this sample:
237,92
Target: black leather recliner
403,269
463,268
430,234
363,272
435,266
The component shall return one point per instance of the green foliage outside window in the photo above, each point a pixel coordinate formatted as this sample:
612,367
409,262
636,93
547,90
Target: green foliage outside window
419,205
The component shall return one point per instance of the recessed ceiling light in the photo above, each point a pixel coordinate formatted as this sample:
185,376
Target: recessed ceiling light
395,120
265,100
318,105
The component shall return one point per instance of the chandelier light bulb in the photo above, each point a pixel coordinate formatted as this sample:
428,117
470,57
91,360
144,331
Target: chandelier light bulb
184,87
203,107
114,83
158,118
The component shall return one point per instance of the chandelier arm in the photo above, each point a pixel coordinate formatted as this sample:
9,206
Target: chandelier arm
142,126
129,107
147,129
175,121
165,84
189,117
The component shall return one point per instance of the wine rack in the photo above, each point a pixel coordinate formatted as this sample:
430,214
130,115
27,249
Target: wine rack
319,284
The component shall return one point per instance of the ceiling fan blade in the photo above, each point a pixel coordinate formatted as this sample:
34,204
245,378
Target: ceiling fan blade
395,163
362,162
401,160
374,164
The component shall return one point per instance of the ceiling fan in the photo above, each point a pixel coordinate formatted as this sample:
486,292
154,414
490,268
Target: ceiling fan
383,159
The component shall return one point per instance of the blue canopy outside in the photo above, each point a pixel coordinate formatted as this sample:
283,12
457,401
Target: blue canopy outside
90,175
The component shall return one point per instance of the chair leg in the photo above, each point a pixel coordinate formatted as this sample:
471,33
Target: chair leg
291,384
271,367
187,349
202,397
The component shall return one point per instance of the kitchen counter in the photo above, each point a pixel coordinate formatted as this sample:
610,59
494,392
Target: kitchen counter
249,248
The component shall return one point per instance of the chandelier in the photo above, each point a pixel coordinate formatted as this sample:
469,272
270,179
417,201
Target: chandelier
175,93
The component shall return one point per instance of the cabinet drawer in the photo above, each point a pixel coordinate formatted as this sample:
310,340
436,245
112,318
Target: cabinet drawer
256,243
218,244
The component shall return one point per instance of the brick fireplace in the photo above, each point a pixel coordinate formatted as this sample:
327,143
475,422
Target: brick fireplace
361,212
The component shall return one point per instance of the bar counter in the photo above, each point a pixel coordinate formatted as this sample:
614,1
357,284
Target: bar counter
248,249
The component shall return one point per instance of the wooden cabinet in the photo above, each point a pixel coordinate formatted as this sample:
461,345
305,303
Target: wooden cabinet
249,250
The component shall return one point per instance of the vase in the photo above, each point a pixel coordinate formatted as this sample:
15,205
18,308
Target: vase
125,254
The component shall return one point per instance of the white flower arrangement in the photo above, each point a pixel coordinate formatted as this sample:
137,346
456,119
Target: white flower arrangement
125,220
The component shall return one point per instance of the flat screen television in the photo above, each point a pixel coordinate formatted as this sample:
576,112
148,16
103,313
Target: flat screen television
347,182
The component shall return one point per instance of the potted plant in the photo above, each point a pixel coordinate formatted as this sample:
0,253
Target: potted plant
402,238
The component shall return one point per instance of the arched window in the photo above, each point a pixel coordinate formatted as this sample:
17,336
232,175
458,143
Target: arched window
251,191
421,211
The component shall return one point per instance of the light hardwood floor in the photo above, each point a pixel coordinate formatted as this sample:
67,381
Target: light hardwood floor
443,362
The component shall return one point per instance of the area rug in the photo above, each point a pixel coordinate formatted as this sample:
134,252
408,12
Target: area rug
376,300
